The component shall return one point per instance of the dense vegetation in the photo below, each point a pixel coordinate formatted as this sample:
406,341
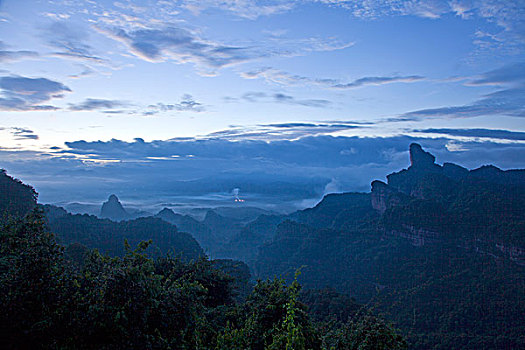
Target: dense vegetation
439,250
135,302
16,198
108,236
76,298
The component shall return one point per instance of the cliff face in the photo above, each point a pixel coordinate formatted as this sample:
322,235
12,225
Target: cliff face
112,209
383,196
428,201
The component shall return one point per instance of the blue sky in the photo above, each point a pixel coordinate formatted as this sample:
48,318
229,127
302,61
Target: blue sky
81,81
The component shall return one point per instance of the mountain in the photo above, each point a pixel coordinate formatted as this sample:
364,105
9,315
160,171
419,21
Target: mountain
202,233
438,248
112,209
16,199
222,227
109,236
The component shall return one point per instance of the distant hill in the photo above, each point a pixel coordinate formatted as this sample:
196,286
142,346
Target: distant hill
202,233
108,236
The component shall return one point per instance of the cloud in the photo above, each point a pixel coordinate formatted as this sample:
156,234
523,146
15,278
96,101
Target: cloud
281,131
276,76
91,104
87,71
21,133
179,45
71,41
186,104
248,9
509,16
262,97
167,42
282,98
27,94
508,102
378,81
24,134
10,56
196,172
509,74
478,133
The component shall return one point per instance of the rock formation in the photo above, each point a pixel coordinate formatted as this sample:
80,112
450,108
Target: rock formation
112,209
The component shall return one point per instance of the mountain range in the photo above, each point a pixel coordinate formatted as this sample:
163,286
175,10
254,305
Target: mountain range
439,249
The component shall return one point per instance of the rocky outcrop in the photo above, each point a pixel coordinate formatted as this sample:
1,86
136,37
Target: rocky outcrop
112,209
420,159
383,196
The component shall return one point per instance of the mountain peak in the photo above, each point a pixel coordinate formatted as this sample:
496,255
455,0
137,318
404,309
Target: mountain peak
420,158
113,198
112,209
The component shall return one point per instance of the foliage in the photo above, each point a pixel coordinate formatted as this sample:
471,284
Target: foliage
107,235
16,198
365,333
136,302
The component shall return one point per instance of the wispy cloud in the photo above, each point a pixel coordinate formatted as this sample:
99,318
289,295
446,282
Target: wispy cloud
21,133
508,102
282,131
509,74
263,97
478,133
509,16
10,55
167,42
27,94
280,77
248,9
91,104
186,104
379,81
71,42
179,45
24,134
276,76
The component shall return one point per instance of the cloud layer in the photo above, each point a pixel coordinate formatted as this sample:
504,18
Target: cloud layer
286,172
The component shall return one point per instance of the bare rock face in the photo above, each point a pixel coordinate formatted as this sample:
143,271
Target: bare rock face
112,209
383,196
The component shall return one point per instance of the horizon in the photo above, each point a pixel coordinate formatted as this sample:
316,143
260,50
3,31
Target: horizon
284,100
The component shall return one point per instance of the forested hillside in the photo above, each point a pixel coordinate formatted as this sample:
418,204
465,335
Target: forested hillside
74,297
439,248
108,236
16,199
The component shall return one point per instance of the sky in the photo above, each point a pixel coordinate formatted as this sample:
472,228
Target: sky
101,97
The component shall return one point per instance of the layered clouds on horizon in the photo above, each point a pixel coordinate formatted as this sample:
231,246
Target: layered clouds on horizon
283,174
